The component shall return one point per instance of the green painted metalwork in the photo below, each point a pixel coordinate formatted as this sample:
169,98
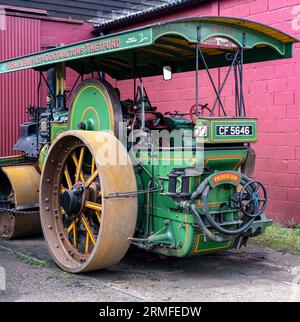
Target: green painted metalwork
167,218
13,160
91,108
58,128
167,43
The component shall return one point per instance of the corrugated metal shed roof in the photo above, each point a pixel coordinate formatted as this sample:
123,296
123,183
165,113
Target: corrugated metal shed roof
171,5
98,11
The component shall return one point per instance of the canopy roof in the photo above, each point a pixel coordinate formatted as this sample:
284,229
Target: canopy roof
144,51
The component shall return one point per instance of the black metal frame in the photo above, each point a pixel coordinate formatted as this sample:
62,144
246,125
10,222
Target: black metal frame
237,61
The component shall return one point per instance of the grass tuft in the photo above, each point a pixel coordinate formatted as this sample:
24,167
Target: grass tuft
31,260
280,238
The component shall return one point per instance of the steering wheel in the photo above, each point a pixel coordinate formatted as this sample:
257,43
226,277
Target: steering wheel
253,199
193,111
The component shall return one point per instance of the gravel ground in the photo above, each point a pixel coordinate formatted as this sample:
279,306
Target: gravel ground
251,274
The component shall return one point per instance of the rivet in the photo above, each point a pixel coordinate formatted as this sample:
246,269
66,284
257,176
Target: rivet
47,208
50,227
56,246
47,199
48,180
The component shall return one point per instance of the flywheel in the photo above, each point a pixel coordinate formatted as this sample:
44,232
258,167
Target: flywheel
86,224
95,107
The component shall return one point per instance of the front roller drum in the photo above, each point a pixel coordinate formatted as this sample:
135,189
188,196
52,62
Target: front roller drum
86,227
19,190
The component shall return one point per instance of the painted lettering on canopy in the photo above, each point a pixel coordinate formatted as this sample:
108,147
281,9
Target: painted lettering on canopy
63,54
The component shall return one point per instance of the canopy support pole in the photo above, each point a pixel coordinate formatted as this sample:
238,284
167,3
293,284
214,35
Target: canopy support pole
197,70
225,81
211,80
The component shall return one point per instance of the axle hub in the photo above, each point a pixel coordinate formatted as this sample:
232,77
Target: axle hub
71,200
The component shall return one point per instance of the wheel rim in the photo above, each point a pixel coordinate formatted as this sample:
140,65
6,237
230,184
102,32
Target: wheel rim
81,228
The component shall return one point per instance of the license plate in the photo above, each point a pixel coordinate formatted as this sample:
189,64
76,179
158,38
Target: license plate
234,130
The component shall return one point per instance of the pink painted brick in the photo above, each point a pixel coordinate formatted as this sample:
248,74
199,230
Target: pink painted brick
278,193
293,166
258,6
285,180
277,85
293,83
293,111
282,98
277,217
275,4
277,165
298,152
278,206
264,152
294,195
297,97
268,178
264,72
286,126
283,70
293,139
292,211
285,152
258,87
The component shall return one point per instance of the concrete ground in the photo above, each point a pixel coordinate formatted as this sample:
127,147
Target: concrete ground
251,274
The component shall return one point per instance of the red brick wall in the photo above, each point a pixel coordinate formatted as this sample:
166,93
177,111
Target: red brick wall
272,93
55,33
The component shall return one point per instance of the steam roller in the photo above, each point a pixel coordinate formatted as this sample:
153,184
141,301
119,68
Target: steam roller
19,197
102,168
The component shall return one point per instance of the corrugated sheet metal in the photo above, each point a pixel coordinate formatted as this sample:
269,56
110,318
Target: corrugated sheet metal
129,18
17,90
89,10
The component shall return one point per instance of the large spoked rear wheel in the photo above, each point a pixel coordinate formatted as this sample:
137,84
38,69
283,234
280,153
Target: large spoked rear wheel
85,225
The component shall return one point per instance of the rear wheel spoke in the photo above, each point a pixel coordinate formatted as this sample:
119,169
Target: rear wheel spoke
93,205
98,215
93,166
88,229
87,243
78,164
68,178
91,178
